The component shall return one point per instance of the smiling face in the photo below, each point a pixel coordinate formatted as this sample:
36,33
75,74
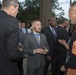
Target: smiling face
36,26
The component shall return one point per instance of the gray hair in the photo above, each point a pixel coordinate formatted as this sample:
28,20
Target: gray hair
7,3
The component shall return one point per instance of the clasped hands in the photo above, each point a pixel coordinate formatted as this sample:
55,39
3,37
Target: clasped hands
41,51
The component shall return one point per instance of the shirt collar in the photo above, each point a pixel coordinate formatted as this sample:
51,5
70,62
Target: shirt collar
35,32
50,27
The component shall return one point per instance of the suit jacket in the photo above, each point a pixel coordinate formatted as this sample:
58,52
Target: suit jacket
34,60
9,40
50,39
70,31
62,34
21,36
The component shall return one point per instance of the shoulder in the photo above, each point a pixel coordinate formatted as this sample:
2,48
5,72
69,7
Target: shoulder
29,35
7,18
43,35
12,19
58,27
45,29
74,35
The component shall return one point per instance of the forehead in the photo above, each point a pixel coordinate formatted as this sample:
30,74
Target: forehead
36,22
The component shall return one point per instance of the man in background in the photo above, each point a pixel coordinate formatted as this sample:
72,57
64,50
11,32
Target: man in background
9,38
24,29
51,36
62,51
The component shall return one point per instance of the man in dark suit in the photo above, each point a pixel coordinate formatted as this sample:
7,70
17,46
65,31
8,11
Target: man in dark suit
62,35
36,47
21,38
51,39
68,27
9,38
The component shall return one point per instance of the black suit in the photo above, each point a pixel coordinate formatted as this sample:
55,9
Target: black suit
52,49
20,63
62,34
69,30
9,40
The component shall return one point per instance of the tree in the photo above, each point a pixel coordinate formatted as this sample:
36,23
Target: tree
30,10
0,4
56,6
38,9
45,11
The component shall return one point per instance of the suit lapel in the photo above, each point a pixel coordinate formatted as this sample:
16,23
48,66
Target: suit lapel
41,40
34,39
51,32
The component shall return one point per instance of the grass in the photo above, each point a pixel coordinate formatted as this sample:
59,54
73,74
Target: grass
49,72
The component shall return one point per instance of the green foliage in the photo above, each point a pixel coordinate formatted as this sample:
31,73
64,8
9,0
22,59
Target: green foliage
56,6
30,9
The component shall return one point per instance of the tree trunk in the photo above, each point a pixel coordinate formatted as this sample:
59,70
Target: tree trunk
45,11
70,2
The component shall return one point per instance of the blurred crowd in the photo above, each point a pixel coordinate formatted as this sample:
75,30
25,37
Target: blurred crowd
29,49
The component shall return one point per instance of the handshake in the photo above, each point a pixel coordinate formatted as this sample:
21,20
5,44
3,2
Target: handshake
42,50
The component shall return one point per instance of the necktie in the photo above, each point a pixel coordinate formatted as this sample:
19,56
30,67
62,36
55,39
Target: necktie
54,33
24,31
37,36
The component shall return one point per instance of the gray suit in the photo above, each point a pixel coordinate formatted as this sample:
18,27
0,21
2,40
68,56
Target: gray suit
35,61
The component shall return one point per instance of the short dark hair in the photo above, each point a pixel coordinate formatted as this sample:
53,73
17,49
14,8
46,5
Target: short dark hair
7,3
61,20
34,21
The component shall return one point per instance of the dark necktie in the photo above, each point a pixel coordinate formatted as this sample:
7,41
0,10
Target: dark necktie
54,33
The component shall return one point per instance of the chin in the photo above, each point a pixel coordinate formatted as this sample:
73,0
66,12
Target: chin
38,31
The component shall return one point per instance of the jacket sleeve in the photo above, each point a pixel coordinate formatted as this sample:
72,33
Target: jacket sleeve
13,41
26,46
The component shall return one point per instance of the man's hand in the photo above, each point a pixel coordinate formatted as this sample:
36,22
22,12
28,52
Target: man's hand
45,50
21,49
63,42
40,51
63,68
